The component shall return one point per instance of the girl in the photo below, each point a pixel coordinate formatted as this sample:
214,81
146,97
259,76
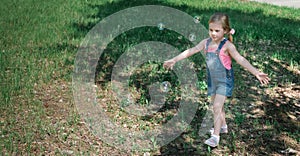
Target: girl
218,52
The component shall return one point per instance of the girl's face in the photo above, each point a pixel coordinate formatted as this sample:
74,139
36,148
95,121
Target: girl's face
216,31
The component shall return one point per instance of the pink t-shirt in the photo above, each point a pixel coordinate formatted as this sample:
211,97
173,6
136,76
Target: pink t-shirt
225,59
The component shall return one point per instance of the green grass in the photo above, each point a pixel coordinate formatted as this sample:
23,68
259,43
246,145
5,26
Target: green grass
38,45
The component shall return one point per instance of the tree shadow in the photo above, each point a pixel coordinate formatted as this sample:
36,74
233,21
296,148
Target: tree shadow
256,47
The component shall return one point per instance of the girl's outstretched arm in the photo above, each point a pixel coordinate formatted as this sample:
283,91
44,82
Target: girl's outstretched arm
262,77
185,54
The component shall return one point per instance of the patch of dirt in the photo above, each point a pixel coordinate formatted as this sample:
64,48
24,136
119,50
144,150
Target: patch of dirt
67,134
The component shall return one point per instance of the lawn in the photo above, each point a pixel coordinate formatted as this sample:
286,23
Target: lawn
39,42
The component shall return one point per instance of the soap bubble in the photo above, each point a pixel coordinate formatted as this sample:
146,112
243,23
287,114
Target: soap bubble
161,26
197,19
165,86
93,46
192,37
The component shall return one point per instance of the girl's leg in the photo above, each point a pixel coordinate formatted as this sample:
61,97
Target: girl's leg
219,118
223,111
219,113
223,116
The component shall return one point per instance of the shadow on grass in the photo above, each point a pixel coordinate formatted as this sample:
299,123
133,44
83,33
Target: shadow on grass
258,37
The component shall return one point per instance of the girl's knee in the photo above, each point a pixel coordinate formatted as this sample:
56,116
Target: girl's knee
217,108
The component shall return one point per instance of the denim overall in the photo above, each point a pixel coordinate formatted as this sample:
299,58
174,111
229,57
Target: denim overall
220,79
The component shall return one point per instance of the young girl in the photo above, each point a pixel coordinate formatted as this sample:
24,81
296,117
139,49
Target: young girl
218,52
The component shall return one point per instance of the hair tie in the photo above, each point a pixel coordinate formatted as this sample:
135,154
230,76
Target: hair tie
232,31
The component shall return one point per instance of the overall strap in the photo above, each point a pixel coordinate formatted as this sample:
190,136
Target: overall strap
207,44
221,45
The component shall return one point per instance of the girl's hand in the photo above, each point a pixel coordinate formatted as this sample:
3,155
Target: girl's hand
263,78
169,64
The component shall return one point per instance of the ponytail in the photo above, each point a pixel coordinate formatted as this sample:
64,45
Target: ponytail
230,37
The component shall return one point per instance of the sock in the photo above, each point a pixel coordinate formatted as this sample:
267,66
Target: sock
225,126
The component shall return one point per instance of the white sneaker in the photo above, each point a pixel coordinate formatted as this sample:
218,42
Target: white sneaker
213,141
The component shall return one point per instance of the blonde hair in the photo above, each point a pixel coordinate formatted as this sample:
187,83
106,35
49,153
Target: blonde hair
224,20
